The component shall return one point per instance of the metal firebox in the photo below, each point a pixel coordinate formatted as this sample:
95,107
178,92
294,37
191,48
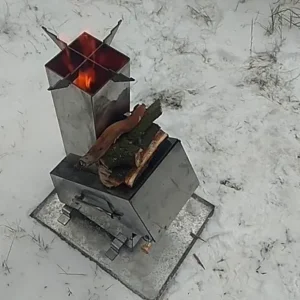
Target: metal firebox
148,208
139,235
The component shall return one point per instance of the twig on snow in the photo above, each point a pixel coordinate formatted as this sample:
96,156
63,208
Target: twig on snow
198,261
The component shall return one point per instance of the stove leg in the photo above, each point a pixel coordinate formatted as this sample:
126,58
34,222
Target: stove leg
115,246
65,217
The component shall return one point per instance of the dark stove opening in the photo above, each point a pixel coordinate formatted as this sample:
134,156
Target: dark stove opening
65,62
110,58
85,44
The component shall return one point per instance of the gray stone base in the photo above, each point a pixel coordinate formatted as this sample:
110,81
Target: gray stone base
147,275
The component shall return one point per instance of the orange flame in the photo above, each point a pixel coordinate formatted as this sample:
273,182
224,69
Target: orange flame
86,79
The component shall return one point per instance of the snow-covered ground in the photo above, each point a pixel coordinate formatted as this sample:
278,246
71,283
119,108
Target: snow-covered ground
229,81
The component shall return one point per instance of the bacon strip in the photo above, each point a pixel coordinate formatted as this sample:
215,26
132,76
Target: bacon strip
110,135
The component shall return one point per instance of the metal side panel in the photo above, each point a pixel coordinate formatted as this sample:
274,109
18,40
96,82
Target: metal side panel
167,190
67,190
74,111
111,102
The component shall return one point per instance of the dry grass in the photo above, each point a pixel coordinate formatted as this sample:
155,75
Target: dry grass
171,99
38,240
265,72
6,26
14,229
272,80
5,261
200,14
18,232
283,14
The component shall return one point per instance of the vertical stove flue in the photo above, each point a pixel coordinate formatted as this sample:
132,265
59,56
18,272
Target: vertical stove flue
90,85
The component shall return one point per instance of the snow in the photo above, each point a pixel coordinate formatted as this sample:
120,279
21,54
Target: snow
239,126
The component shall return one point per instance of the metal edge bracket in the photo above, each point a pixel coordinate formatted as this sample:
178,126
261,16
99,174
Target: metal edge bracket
67,211
115,246
65,216
61,44
112,34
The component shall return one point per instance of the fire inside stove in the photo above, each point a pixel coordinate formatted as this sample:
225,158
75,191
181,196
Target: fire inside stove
88,62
